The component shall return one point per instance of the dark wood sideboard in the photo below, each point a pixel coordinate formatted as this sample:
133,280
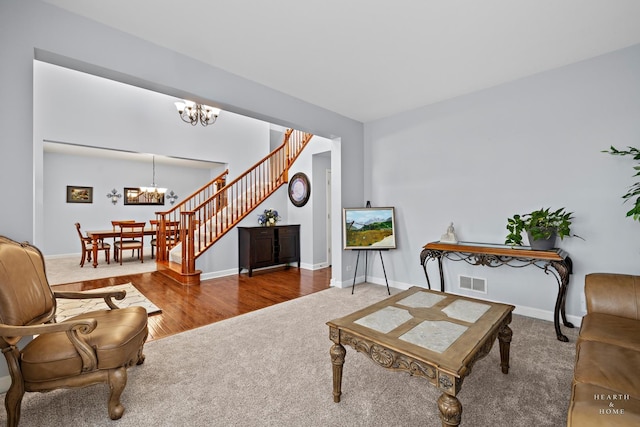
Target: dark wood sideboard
260,247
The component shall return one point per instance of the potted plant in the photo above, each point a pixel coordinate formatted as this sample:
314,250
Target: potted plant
634,190
542,227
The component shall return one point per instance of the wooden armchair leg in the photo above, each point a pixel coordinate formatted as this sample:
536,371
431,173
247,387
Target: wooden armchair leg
13,403
141,356
117,382
13,398
107,256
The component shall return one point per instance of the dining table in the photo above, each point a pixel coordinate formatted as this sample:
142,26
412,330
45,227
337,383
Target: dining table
99,235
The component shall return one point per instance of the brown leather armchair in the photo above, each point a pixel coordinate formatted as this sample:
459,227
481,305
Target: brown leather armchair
90,348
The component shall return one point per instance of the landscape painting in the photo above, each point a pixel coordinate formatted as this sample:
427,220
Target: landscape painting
369,228
77,194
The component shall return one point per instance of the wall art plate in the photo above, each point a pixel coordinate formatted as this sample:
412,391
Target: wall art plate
299,189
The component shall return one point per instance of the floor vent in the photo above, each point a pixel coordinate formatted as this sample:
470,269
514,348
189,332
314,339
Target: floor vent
473,284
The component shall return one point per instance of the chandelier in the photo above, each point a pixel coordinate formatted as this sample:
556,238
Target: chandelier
193,113
153,193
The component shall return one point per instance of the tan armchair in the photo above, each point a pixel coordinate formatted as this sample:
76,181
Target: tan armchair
91,348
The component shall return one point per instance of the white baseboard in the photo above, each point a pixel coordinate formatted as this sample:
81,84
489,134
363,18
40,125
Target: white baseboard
349,283
233,271
318,266
533,312
221,273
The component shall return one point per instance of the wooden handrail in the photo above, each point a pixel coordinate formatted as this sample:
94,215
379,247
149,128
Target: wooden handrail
204,220
173,215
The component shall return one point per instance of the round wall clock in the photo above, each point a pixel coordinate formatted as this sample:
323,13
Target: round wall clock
299,189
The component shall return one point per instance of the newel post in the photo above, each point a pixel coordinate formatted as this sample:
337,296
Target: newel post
187,219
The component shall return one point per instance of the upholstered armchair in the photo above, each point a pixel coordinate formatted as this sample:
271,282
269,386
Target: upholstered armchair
96,347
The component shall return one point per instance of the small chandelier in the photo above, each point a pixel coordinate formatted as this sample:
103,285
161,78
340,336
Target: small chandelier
193,113
153,193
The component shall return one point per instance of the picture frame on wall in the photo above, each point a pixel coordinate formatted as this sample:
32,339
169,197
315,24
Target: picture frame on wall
133,196
77,194
369,228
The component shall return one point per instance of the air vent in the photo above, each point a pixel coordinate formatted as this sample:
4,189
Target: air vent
474,284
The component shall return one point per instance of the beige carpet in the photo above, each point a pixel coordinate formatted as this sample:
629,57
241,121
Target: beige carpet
272,368
68,270
67,308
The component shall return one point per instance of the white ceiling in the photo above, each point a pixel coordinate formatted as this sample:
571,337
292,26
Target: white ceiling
368,59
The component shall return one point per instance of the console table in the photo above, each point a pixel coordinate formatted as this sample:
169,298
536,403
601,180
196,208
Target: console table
268,246
554,261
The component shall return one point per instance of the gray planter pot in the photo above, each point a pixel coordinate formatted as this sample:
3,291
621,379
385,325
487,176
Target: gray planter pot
543,244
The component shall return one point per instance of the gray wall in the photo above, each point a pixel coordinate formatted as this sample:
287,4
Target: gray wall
116,116
319,191
536,142
31,29
103,174
467,160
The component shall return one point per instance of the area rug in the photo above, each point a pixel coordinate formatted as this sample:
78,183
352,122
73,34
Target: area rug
272,367
67,308
62,270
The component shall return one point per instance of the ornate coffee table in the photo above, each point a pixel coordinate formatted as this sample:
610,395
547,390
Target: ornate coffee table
431,334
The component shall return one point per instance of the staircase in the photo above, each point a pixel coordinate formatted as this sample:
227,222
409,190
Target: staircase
217,207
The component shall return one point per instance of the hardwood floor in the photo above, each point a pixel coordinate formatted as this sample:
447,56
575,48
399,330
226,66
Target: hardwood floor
189,307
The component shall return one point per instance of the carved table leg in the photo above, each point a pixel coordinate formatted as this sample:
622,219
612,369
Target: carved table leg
337,359
504,337
450,410
94,249
441,273
563,282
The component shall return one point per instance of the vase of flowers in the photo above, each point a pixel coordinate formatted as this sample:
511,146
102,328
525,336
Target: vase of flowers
268,218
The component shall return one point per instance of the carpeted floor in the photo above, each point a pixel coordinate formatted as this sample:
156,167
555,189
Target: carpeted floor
68,270
272,368
72,307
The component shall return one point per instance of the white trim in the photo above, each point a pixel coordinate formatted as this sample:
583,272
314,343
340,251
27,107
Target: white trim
234,271
533,312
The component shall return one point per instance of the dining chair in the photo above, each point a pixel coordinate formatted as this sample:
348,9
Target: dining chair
131,237
117,223
172,234
91,348
115,226
87,247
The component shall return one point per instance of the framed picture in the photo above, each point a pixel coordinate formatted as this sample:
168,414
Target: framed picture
77,194
369,228
134,196
299,189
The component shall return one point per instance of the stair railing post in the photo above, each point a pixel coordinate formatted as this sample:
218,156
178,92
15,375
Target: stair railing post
161,239
188,244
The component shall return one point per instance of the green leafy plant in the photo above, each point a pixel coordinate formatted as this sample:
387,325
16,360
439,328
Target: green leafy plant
540,224
634,190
